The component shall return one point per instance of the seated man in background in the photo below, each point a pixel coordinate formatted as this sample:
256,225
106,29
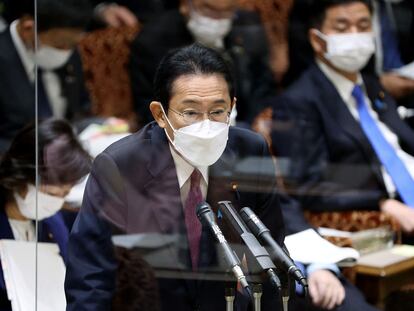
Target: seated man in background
349,148
217,24
61,90
392,26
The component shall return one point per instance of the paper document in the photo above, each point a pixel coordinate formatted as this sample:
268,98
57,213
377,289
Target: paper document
406,71
18,259
145,240
95,139
334,232
309,247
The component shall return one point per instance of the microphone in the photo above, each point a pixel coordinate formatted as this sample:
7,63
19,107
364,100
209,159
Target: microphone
255,248
206,217
283,261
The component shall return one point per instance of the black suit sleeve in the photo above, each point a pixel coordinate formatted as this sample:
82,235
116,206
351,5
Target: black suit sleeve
91,265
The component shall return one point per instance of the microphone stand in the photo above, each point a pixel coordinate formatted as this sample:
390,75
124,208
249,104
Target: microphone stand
229,295
257,295
286,288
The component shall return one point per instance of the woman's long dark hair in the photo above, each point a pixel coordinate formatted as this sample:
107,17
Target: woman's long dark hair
62,160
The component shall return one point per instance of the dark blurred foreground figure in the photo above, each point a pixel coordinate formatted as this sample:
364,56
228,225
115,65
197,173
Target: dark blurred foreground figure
61,91
131,295
152,181
62,162
238,35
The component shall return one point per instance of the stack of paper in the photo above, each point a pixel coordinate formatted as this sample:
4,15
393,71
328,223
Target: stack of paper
18,260
95,138
309,247
406,71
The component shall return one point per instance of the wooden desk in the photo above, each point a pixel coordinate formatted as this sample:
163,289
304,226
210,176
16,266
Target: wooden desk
380,273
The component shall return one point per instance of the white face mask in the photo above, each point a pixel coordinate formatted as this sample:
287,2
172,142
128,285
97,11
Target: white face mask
50,58
349,52
202,143
48,205
209,31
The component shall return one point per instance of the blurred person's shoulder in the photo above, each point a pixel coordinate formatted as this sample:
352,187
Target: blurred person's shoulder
138,145
245,138
248,32
307,88
163,25
7,47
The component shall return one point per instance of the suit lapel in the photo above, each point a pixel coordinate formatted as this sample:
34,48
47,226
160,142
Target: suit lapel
336,107
168,209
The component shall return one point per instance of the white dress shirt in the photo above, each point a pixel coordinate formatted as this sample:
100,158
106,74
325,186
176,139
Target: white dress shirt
344,88
184,171
50,79
23,230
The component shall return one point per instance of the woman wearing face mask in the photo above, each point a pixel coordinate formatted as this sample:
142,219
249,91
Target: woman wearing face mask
62,162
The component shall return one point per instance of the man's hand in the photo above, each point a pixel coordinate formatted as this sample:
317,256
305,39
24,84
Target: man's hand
396,85
116,15
325,289
401,212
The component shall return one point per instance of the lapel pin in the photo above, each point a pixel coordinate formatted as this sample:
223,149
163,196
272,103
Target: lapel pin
380,105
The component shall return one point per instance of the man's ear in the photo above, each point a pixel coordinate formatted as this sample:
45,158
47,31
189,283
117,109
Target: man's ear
157,113
184,8
233,103
317,43
25,29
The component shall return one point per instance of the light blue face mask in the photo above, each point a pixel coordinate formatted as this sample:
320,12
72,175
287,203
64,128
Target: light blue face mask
50,58
349,52
47,205
208,31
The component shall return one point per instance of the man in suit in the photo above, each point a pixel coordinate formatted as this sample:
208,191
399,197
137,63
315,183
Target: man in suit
237,34
339,123
152,181
334,159
60,85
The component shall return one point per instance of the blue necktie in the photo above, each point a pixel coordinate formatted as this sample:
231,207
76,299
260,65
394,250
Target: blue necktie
385,152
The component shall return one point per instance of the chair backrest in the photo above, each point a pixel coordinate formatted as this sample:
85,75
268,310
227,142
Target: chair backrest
105,56
275,18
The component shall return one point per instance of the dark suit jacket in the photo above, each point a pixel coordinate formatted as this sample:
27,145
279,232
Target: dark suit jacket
333,166
245,48
17,93
133,188
51,227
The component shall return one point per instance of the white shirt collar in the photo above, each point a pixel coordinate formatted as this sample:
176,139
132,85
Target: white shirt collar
342,84
26,56
185,169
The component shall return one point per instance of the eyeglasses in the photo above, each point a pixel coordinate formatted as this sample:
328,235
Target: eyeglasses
193,116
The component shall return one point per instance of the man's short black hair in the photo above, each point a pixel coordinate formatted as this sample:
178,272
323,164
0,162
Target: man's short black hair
318,9
57,13
191,60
